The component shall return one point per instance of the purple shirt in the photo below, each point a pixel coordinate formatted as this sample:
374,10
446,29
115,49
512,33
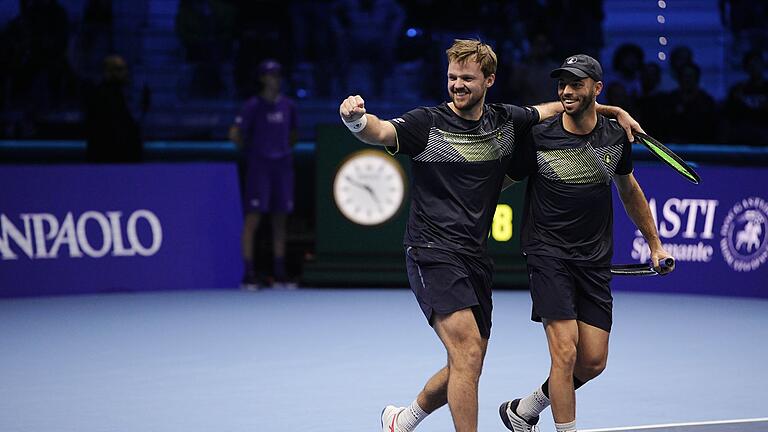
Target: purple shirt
266,127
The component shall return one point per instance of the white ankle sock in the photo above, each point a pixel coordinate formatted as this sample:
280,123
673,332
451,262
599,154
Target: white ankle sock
533,404
566,427
411,417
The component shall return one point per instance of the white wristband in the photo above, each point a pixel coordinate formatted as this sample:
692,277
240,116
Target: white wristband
356,125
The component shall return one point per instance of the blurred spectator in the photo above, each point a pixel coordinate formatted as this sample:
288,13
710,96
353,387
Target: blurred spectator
627,65
650,97
746,21
689,113
367,31
96,40
747,104
528,83
206,29
616,95
679,57
112,132
650,79
37,74
266,130
263,31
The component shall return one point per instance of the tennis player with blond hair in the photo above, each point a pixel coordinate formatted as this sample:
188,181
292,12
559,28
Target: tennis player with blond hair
460,151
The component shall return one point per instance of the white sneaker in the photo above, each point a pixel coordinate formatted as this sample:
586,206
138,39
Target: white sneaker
514,422
285,285
249,286
249,283
389,416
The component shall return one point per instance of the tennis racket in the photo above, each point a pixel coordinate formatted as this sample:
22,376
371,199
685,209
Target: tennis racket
668,156
643,269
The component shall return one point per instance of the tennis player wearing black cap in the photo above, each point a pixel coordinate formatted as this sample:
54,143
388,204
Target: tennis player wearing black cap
570,161
459,151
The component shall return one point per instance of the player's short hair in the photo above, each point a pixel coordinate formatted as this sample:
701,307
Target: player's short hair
464,50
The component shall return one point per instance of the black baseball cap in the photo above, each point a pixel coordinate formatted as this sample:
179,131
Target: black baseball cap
582,66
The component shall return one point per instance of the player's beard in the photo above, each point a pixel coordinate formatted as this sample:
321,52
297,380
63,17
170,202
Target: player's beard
468,104
584,105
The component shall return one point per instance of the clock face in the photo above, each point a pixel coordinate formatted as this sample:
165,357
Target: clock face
369,187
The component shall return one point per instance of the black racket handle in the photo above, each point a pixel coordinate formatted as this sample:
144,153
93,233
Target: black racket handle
667,263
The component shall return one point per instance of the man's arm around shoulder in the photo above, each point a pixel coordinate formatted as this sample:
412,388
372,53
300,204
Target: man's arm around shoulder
548,109
625,120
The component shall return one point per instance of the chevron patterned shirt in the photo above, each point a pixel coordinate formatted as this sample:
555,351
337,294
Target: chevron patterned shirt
457,170
568,210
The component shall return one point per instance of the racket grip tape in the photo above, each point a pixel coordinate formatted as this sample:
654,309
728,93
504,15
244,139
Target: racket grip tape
667,263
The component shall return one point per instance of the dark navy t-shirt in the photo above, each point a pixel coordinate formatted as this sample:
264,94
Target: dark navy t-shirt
458,167
568,206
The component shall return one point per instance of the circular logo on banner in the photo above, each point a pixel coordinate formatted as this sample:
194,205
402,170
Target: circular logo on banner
744,241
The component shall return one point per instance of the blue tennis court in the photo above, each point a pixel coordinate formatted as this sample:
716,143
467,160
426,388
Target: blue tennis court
329,360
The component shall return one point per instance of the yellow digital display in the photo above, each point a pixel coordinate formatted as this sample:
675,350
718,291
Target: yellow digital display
501,229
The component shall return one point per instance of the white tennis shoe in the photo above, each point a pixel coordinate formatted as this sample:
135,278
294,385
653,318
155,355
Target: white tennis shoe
514,422
389,416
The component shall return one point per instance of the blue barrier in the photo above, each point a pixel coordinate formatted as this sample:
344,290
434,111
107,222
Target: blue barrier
94,228
717,231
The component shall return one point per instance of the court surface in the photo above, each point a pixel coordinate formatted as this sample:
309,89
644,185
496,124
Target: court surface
329,360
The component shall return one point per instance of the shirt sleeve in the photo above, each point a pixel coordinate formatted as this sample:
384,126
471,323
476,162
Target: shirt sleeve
412,132
523,159
524,118
625,163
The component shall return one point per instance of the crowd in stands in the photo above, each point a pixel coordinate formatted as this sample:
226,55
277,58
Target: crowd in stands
324,46
688,113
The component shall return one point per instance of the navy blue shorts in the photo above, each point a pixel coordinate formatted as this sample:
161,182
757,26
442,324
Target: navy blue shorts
445,282
563,290
269,185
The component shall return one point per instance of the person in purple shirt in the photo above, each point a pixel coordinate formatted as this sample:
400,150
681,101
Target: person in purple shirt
265,130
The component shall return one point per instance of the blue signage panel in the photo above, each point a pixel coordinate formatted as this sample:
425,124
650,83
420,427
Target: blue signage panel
717,231
96,228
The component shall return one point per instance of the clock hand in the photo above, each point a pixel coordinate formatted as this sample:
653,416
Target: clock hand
373,193
365,187
357,183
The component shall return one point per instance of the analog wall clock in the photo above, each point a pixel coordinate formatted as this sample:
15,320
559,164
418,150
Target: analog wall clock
369,187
